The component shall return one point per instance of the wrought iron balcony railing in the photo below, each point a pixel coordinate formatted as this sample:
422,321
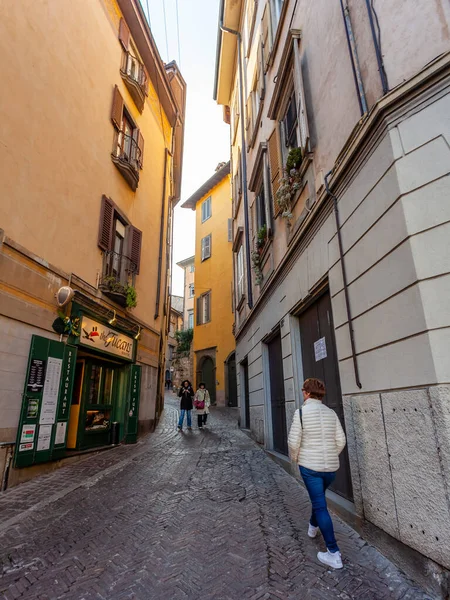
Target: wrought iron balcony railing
136,79
118,273
127,157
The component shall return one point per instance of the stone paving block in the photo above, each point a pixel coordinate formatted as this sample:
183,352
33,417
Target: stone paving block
179,516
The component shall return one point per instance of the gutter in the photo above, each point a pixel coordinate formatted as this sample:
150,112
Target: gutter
161,235
218,48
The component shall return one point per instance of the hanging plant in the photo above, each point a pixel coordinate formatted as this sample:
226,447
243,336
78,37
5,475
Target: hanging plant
131,296
67,325
290,183
256,262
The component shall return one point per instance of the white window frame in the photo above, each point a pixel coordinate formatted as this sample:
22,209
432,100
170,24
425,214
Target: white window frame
206,209
191,290
276,6
230,230
190,322
206,247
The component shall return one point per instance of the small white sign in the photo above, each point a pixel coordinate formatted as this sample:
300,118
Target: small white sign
24,447
51,391
45,435
27,435
60,437
320,349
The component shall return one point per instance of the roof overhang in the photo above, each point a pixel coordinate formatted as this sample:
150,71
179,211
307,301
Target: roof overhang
230,18
186,262
207,186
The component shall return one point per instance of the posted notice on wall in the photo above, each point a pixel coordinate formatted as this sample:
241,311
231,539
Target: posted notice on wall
51,391
28,432
44,437
320,349
60,437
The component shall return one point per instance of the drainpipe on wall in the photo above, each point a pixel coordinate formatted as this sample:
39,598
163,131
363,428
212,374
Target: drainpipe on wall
344,279
376,43
354,59
243,162
161,236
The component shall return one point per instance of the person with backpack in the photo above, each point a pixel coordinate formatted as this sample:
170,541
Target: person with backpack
316,439
186,394
202,402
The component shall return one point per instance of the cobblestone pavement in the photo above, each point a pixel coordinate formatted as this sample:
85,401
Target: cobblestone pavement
193,515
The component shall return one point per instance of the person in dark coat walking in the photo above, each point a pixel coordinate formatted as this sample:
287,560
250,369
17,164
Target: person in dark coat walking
186,394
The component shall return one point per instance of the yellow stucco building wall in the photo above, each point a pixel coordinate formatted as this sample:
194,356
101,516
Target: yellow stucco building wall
215,338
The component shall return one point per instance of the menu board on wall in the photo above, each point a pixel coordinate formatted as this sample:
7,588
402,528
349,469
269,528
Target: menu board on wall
36,375
51,391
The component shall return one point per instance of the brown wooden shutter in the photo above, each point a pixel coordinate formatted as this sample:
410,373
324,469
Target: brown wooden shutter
248,121
135,244
261,76
117,108
145,81
266,35
140,144
124,34
199,311
273,144
106,225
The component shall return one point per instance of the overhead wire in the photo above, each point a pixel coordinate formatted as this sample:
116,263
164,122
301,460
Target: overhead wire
165,29
178,34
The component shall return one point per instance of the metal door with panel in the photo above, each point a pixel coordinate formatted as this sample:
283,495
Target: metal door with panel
277,398
319,358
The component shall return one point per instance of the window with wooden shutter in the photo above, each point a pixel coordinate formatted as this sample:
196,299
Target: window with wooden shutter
117,108
106,225
206,247
266,36
135,245
261,88
273,145
124,34
301,110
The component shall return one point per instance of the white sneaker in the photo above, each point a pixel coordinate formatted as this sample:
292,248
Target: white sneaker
332,559
312,531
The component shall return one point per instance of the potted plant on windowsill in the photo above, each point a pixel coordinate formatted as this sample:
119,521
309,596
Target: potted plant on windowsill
261,238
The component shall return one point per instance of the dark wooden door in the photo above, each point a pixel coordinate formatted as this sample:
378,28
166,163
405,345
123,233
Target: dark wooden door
232,382
208,376
245,395
277,398
316,325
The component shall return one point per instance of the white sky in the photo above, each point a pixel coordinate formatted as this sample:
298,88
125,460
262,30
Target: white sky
207,140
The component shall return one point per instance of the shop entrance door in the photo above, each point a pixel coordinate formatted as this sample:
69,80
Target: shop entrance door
208,376
232,382
319,360
96,403
278,402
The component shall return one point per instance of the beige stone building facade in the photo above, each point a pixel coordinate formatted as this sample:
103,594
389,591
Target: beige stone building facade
340,136
188,266
90,170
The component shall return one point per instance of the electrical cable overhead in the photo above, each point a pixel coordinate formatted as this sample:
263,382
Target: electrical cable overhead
178,35
165,29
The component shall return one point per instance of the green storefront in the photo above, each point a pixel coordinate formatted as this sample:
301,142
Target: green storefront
79,394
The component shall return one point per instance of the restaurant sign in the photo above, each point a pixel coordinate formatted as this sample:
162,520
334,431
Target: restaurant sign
98,336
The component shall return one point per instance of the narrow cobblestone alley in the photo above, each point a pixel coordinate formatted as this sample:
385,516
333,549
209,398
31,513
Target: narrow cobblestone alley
179,516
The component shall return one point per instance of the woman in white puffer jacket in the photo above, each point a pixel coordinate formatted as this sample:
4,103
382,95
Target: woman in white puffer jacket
316,439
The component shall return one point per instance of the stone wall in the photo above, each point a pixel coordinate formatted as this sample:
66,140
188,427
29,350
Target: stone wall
183,365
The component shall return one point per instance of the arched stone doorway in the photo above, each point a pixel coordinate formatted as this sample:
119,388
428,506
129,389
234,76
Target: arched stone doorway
206,372
232,399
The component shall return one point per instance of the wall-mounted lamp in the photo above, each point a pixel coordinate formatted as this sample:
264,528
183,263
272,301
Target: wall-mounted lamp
113,321
138,335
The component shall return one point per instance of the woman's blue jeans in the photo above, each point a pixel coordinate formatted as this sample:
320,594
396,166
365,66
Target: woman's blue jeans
316,483
189,420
